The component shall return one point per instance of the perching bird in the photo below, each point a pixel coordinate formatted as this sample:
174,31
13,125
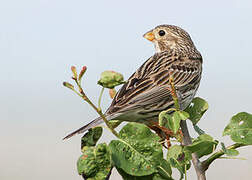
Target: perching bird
147,92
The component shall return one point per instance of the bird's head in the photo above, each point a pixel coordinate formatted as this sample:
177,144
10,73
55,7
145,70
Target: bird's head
169,37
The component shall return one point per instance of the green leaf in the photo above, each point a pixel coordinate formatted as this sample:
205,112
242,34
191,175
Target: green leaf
163,119
95,162
126,176
110,79
240,128
91,137
179,157
130,160
203,145
154,176
180,167
205,137
196,109
174,122
157,176
138,151
183,115
180,154
198,130
174,152
229,152
164,170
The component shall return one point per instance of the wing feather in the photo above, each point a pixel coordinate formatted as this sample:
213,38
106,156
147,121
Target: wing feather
149,85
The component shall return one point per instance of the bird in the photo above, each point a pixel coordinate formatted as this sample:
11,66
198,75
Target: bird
147,92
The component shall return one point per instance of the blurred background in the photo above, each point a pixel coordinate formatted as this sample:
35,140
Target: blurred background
41,39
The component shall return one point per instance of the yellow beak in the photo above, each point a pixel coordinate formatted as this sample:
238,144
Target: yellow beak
149,35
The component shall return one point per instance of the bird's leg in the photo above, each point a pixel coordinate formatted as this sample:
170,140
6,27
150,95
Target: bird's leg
162,132
159,133
165,133
168,141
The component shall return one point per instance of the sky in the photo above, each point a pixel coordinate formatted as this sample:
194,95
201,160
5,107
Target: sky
41,39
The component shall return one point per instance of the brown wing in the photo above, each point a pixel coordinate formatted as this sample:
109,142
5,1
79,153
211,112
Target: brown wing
148,85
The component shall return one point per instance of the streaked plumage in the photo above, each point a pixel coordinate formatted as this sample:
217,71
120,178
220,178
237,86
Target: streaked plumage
146,93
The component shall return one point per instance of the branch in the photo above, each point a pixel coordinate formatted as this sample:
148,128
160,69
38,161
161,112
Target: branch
186,136
200,167
98,110
218,154
196,162
81,93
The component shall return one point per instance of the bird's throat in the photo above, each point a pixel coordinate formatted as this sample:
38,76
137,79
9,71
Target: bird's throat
162,46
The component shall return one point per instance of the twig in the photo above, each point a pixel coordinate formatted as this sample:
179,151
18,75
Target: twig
218,154
99,100
98,110
185,172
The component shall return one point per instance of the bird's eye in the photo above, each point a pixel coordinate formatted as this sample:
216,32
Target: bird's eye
161,33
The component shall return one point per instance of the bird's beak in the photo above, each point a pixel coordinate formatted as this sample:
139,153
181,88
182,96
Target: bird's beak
149,36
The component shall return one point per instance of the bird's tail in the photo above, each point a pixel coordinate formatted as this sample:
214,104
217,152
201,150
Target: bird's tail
88,126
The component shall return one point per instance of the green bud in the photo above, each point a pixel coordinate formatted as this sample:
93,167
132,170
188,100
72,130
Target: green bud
68,85
110,79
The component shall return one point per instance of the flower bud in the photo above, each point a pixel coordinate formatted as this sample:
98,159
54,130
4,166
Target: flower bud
82,72
68,85
112,93
73,69
110,79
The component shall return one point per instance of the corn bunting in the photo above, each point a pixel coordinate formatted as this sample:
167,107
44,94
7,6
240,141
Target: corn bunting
146,93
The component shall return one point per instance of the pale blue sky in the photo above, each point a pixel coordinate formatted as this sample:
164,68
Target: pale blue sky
41,39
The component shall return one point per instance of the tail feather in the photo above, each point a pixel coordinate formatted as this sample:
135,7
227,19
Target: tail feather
88,126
